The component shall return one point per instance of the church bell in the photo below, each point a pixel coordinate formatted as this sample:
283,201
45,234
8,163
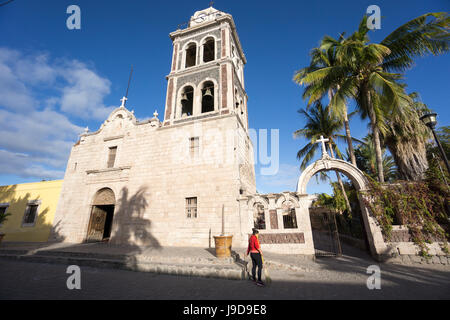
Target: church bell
208,94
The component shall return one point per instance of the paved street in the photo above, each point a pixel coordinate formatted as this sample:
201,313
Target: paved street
331,278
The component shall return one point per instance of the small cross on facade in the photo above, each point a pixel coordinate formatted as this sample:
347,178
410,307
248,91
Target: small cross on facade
124,99
156,114
324,148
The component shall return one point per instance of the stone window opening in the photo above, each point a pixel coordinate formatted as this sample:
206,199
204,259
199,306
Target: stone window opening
3,208
194,147
187,102
209,52
31,213
112,157
289,218
259,217
191,55
191,208
208,96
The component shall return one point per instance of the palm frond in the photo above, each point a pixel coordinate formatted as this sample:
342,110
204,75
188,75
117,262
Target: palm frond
427,34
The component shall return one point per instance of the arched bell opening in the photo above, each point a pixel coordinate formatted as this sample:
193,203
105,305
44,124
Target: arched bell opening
187,102
191,56
209,53
208,97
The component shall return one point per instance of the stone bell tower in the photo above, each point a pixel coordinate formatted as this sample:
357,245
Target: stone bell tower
207,74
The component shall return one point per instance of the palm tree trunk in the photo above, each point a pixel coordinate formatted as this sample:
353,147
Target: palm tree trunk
376,136
351,150
341,184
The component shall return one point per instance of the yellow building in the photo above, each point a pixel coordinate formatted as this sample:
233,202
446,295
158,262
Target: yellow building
32,207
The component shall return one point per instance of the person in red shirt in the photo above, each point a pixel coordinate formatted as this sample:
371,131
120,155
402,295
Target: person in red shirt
254,249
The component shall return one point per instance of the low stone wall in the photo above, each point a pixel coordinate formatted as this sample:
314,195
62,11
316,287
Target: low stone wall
400,235
415,259
409,252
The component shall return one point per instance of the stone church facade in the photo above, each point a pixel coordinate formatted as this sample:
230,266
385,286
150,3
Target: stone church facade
165,183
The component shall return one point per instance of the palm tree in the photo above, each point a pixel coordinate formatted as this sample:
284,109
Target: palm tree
406,138
319,122
323,57
366,159
364,70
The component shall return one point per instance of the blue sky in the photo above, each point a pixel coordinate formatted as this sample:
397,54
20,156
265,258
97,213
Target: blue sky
54,82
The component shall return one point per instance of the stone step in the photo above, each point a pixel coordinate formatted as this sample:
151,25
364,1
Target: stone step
223,271
286,266
13,251
142,257
156,258
301,264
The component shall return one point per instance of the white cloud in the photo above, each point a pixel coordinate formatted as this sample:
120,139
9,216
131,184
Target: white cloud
38,98
21,165
85,92
36,70
14,95
80,90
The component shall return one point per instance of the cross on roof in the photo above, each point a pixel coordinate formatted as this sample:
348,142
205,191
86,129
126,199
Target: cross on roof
211,3
124,99
322,140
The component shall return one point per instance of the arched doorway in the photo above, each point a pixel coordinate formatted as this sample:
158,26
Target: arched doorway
375,240
102,214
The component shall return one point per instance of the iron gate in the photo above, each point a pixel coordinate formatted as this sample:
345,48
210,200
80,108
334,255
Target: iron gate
325,235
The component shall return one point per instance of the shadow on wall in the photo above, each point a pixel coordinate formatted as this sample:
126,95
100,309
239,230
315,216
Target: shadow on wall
38,231
130,228
131,235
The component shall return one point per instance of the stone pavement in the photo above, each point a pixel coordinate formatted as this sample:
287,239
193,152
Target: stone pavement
194,262
176,261
186,261
342,278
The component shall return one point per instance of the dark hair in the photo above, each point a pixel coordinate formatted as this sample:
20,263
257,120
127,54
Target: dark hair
255,231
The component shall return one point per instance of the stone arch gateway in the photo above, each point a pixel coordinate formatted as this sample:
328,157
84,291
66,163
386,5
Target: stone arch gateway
374,236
